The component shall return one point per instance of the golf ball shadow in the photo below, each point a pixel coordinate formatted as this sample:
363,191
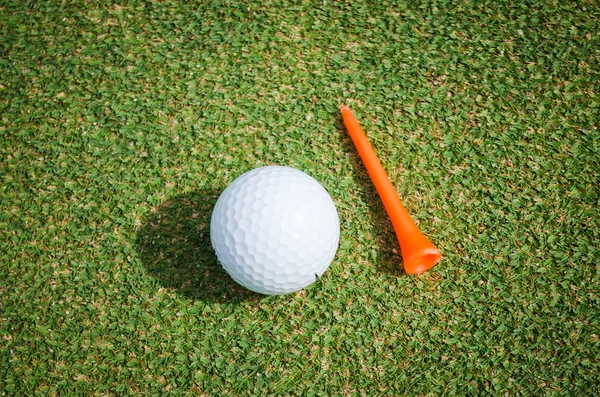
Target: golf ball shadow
175,249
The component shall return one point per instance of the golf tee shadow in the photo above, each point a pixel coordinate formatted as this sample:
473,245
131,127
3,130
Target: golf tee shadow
174,247
387,260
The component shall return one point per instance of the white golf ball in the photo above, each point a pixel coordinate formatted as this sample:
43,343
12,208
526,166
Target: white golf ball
275,230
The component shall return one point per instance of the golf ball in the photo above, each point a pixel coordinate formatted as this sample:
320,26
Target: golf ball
275,230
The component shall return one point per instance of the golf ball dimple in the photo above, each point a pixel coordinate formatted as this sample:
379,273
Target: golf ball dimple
275,230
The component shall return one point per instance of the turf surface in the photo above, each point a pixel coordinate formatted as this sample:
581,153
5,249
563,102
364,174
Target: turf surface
121,122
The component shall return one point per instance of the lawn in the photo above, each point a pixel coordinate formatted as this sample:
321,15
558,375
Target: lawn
122,122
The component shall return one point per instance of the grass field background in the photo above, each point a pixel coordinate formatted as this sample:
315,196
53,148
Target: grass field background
121,123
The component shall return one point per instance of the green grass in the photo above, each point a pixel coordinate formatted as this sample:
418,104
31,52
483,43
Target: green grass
122,122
